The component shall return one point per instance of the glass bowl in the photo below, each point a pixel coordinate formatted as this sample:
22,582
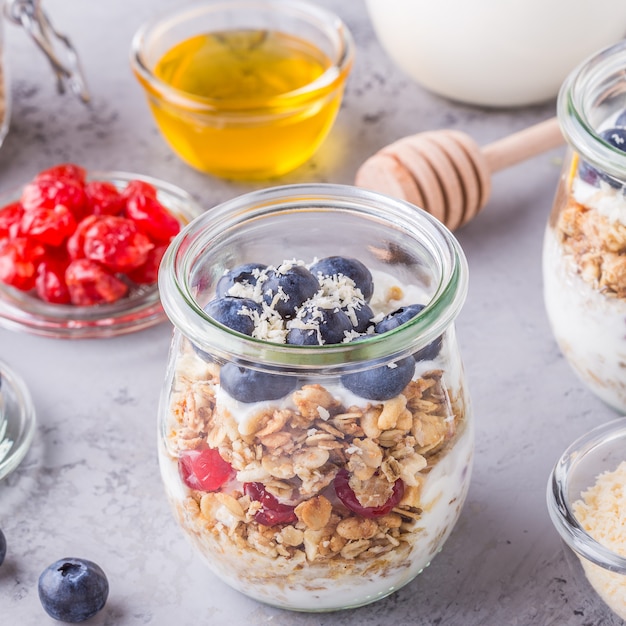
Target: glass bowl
277,73
587,505
17,420
141,308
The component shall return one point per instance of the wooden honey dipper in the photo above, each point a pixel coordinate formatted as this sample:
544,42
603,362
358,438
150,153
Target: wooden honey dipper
447,173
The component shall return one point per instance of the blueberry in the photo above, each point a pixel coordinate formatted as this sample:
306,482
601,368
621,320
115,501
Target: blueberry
382,382
326,326
429,352
73,590
247,385
289,289
243,274
3,547
401,316
363,315
398,317
615,137
352,268
588,173
236,313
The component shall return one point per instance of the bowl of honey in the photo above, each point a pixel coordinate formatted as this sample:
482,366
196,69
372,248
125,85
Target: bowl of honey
244,89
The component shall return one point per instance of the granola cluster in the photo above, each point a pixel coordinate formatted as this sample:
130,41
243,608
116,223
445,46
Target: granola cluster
297,450
596,245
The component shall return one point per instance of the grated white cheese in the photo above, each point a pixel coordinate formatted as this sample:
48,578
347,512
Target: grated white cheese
602,513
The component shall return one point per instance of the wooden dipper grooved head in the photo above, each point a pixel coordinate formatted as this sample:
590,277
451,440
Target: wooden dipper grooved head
446,173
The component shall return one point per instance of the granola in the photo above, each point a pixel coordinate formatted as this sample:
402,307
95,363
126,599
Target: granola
596,245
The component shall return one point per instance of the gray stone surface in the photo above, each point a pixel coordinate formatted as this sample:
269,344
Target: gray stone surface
90,484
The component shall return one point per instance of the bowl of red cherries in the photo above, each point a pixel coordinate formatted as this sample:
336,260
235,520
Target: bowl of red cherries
80,251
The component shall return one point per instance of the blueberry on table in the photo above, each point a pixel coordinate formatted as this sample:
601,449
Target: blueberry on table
3,547
73,590
287,290
349,267
236,313
401,316
382,382
248,385
242,274
321,327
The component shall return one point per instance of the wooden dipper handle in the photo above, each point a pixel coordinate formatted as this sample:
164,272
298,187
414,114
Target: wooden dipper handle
446,173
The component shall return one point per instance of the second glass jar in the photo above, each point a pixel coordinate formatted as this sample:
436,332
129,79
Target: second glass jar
584,258
316,477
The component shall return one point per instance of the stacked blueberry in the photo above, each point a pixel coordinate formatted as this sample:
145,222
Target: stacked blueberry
616,137
326,303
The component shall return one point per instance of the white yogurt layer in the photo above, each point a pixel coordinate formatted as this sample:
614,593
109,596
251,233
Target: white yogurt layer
607,201
589,327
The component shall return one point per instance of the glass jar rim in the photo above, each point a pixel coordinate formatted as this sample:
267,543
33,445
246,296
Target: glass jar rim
559,505
189,317
328,81
577,95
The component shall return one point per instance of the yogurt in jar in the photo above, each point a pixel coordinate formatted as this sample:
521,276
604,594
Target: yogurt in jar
321,553
584,268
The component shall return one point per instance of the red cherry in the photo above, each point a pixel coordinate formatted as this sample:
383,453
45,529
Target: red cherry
348,497
49,192
116,243
10,218
103,198
76,242
152,218
139,187
50,282
64,170
19,258
272,512
50,226
204,470
89,283
148,273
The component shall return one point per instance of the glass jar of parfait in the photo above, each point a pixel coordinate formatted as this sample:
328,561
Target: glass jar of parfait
584,257
315,430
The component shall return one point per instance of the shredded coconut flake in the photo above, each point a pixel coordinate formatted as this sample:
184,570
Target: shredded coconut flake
602,513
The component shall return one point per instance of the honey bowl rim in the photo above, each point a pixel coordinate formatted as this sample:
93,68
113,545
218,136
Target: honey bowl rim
327,83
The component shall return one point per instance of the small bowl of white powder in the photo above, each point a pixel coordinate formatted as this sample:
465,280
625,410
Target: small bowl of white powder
587,504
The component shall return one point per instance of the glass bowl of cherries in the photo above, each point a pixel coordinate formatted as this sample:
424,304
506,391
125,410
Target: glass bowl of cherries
80,251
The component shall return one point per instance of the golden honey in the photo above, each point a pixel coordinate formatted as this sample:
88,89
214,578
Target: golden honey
250,107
